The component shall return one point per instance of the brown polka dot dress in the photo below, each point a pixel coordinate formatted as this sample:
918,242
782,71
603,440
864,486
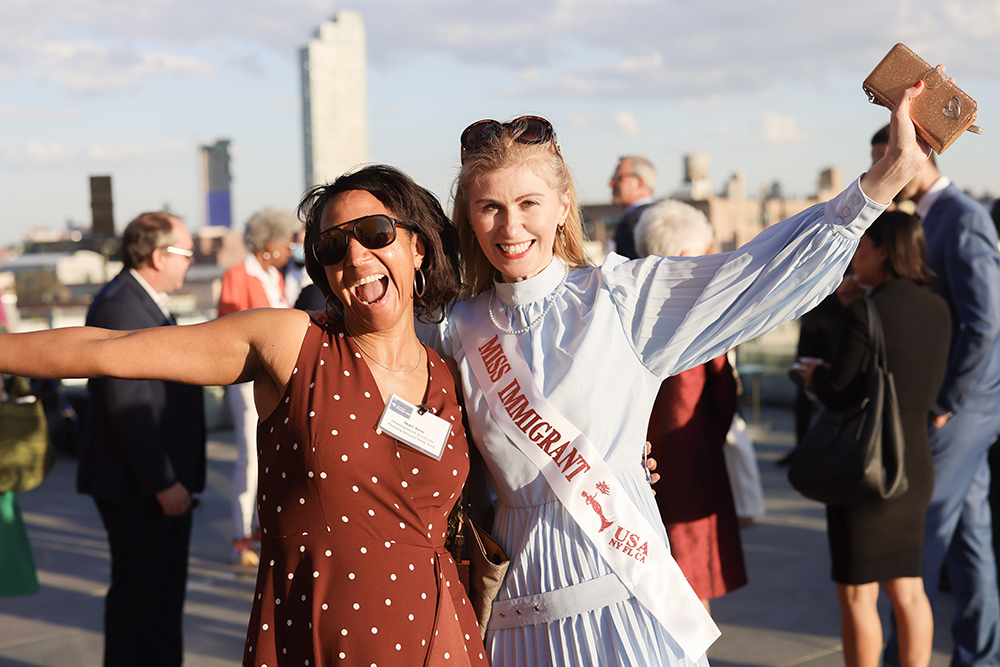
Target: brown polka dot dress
353,569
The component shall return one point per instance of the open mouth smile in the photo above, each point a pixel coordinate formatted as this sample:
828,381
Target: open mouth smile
515,248
371,289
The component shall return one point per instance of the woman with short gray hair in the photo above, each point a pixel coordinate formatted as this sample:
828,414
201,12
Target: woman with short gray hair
256,282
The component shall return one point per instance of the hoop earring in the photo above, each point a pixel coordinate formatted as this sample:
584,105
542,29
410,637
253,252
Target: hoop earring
419,285
335,309
267,255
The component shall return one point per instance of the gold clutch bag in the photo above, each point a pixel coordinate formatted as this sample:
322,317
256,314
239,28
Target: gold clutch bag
940,114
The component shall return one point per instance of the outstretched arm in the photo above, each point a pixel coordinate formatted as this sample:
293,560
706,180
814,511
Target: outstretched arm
259,345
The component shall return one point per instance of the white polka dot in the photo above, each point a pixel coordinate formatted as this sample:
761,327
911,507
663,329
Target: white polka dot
344,519
403,484
393,577
316,576
325,606
454,473
388,602
344,632
336,397
364,550
411,567
344,655
322,475
411,617
310,473
263,496
328,553
371,512
289,621
312,384
302,549
444,390
367,395
264,627
344,457
423,596
354,416
291,575
375,480
388,544
302,501
333,432
295,446
312,413
357,606
350,575
347,373
322,362
366,447
272,563
398,647
437,493
283,475
279,508
402,525
295,370
303,598
447,655
374,631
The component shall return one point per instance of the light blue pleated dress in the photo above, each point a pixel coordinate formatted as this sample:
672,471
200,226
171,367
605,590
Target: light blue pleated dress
599,355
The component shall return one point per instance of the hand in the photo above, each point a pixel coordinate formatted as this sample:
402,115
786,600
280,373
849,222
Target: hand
937,421
654,477
175,500
849,291
807,374
905,156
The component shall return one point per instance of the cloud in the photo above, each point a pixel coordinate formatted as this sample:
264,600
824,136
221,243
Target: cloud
626,123
10,111
778,129
37,154
666,49
91,67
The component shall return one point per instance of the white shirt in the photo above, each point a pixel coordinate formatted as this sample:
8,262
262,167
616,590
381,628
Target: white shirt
161,299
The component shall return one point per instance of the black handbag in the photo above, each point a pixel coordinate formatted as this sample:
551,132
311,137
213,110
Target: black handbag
855,454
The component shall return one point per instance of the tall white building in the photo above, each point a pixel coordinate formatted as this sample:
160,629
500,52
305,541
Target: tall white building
335,98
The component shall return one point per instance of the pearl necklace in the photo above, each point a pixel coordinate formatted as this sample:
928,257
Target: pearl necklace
394,370
551,298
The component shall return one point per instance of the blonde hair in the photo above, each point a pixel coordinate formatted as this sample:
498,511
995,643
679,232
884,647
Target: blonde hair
506,152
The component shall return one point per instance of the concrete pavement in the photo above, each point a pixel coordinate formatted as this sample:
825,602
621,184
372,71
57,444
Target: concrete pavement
786,616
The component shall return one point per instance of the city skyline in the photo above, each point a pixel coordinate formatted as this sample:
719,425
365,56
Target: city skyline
774,91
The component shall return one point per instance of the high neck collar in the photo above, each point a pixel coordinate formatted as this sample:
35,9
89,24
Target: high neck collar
534,288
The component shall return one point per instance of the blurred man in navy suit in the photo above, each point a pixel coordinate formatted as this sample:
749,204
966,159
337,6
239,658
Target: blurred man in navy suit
143,455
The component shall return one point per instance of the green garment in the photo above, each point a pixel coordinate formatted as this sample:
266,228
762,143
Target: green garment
17,565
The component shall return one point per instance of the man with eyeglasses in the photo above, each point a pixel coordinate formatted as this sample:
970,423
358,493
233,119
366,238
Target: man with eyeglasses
143,455
632,188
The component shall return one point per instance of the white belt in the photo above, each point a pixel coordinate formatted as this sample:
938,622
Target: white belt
560,603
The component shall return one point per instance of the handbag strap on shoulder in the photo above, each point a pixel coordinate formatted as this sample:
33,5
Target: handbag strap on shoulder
876,335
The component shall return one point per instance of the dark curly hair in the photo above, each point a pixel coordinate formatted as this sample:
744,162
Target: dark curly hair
409,203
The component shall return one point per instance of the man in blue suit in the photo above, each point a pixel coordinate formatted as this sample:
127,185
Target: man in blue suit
962,251
143,455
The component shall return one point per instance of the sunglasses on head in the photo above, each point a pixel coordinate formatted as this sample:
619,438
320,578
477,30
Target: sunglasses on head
526,129
371,231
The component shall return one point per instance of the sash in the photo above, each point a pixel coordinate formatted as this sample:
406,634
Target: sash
586,486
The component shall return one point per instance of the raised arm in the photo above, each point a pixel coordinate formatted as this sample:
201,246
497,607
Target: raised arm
906,154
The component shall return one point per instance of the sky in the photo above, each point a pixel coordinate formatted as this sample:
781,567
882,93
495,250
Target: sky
772,88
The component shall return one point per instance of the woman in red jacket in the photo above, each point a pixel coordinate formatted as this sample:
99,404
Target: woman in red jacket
256,282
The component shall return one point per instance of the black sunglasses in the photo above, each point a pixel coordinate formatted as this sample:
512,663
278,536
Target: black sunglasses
371,231
527,130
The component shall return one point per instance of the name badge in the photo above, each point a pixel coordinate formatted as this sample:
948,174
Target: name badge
415,426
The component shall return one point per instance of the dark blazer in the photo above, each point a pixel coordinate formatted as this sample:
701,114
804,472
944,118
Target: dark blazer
141,436
625,234
962,251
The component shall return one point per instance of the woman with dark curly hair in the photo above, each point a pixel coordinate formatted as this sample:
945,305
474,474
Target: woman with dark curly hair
353,507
